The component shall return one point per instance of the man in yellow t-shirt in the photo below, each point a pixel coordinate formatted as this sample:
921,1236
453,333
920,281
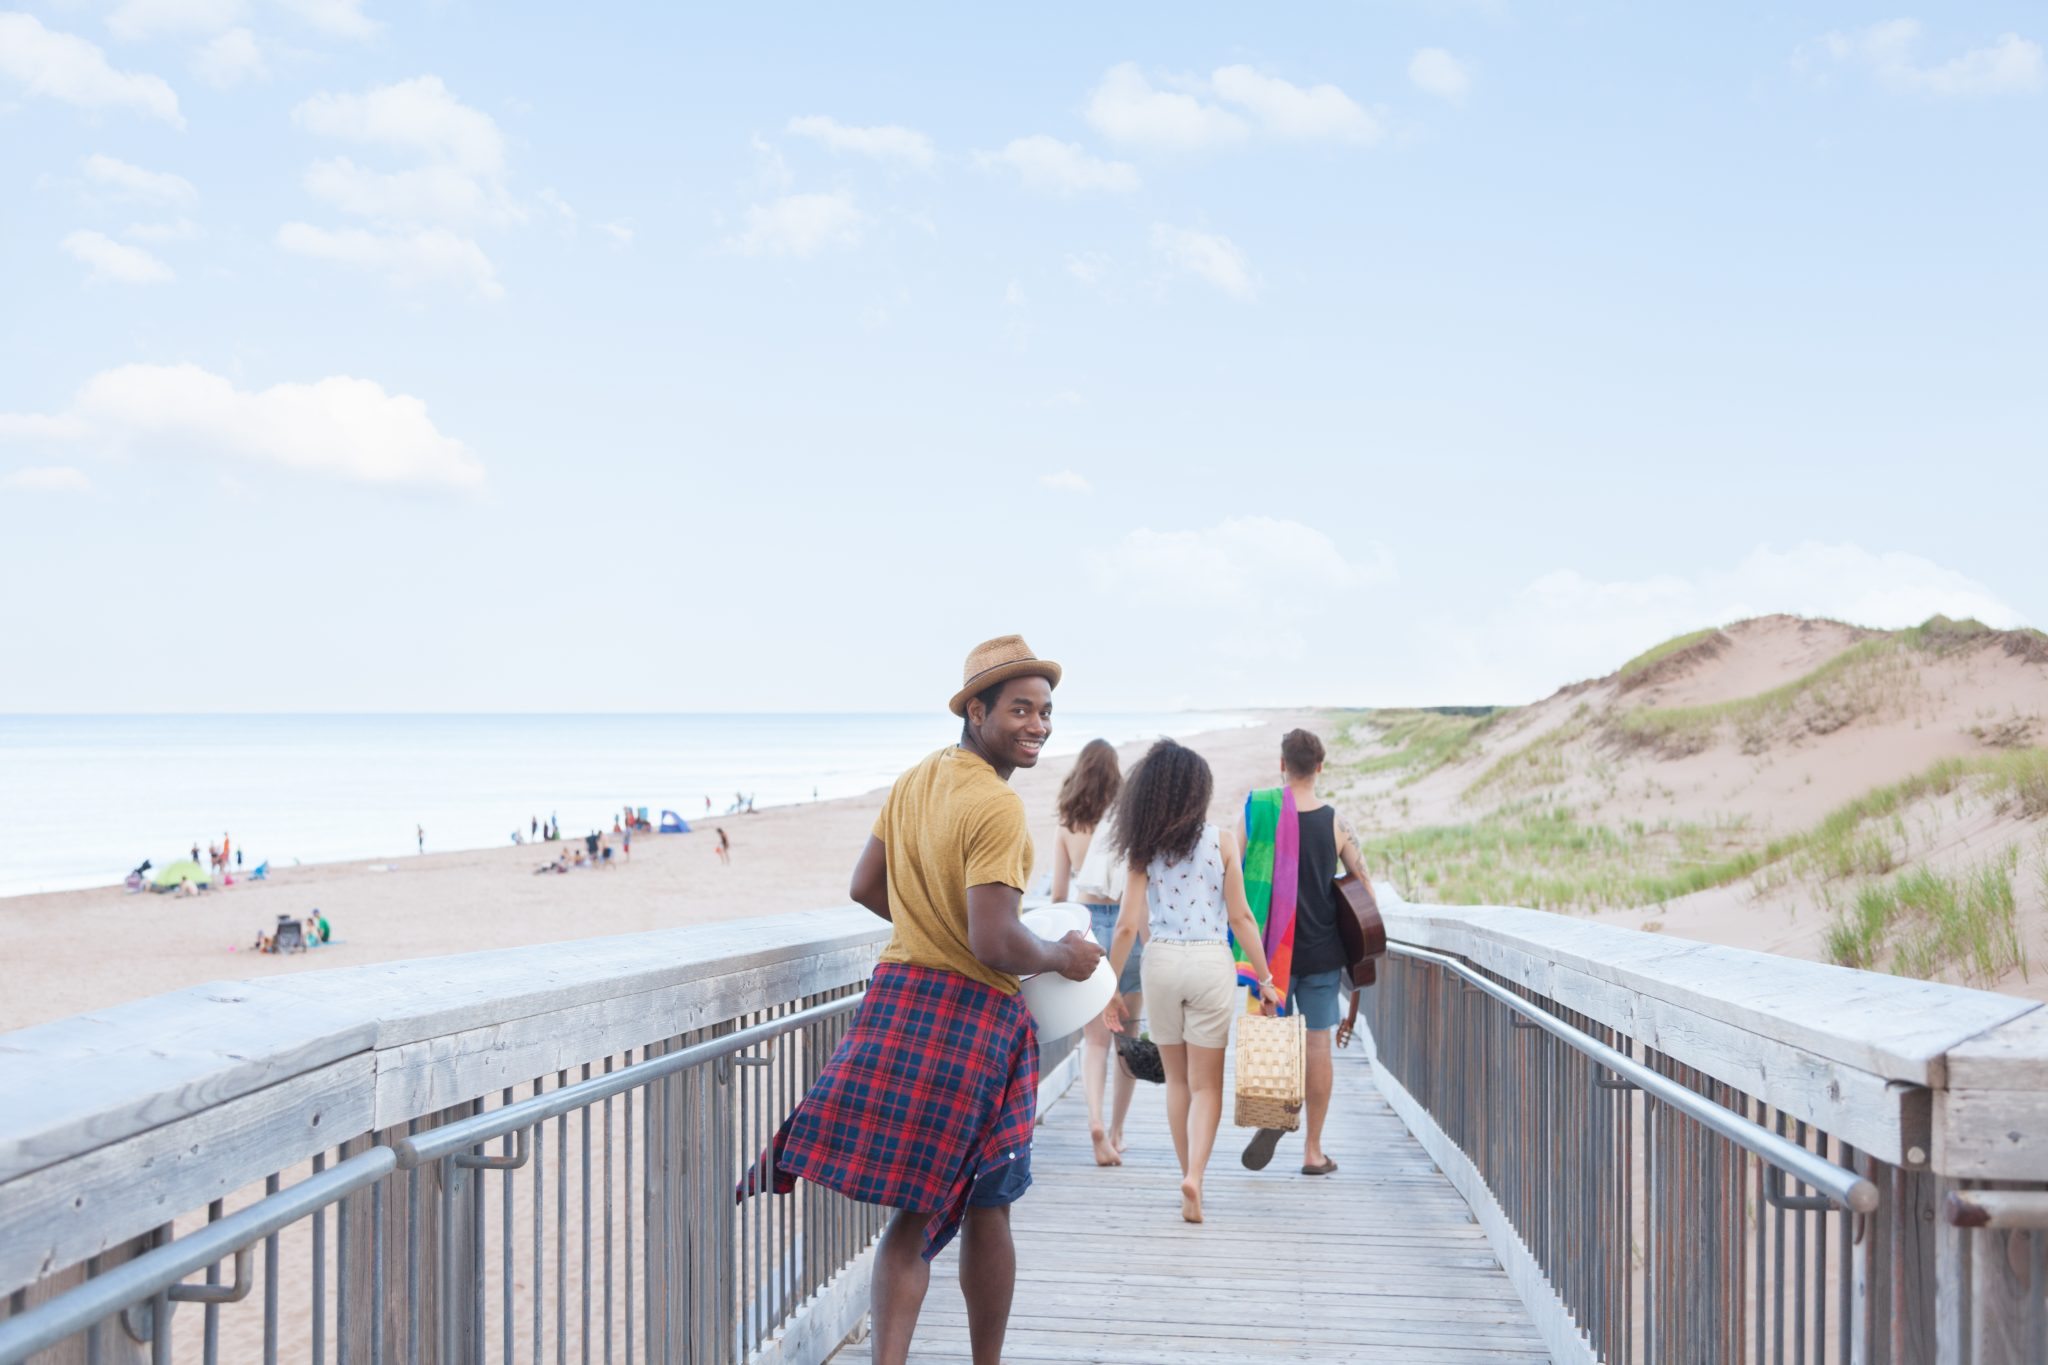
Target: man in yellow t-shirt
927,1105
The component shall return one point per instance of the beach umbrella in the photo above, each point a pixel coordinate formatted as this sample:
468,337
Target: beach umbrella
183,870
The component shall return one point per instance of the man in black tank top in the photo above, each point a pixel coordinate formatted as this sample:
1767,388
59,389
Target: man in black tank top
1327,840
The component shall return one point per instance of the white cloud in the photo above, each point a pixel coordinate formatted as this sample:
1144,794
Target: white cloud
1245,589
340,427
47,479
1088,266
620,233
229,59
1054,167
800,225
114,262
1436,72
65,67
883,142
136,20
133,182
2011,65
1127,108
1293,111
39,427
409,259
335,18
174,230
771,172
434,193
1208,256
418,115
1066,481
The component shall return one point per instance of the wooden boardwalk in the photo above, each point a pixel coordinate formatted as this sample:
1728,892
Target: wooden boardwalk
1379,1262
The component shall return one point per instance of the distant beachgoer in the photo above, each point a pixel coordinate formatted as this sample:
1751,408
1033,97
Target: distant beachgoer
628,851
225,843
617,828
420,832
1085,870
1184,880
707,805
195,852
326,929
724,849
532,826
590,843
576,856
238,857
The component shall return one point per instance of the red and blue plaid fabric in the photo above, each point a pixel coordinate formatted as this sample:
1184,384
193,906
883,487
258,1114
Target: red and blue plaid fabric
935,1084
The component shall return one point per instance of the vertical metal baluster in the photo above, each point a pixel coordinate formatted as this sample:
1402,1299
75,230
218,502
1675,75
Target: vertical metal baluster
160,1312
341,1239
1798,1259
1845,1278
377,1271
506,1309
561,1230
319,1217
444,1265
540,1207
1820,1271
412,1258
585,1260
479,1235
668,1202
628,1201
1778,1274
608,1221
19,1303
210,1350
1762,1259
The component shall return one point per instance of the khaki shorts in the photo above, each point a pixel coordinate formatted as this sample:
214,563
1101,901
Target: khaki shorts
1190,993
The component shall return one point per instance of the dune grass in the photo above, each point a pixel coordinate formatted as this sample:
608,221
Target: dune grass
1931,921
1658,653
1414,743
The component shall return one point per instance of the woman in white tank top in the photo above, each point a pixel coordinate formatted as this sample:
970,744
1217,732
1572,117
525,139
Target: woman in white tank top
1186,889
1085,870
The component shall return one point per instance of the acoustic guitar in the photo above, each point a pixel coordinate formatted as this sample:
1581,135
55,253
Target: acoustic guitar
1360,927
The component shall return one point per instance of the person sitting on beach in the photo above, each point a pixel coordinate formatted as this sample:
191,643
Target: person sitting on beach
326,931
576,855
1183,880
927,1105
1084,870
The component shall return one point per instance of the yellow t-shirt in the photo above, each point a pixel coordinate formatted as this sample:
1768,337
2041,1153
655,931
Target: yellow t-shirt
949,823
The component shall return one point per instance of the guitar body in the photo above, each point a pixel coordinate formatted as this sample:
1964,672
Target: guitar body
1360,927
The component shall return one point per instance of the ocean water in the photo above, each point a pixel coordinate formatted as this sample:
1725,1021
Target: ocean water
85,798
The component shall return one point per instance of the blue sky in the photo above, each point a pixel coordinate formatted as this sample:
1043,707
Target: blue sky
449,356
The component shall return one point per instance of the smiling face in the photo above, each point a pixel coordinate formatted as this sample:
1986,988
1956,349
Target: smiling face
1011,733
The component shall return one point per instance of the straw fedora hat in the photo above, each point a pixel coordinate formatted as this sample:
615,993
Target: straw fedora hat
999,660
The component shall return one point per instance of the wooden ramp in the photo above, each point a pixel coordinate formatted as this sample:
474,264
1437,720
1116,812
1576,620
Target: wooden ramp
1379,1262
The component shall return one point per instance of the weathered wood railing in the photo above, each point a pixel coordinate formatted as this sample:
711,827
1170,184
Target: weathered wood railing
599,1100
1554,1067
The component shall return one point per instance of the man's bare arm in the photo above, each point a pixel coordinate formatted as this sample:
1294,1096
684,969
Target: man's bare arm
1348,851
871,878
1000,940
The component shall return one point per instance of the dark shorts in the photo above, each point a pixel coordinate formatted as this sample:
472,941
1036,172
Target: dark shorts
1102,923
1315,997
1004,1185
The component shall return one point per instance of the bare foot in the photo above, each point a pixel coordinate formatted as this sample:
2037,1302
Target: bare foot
1191,1200
1116,1140
1105,1150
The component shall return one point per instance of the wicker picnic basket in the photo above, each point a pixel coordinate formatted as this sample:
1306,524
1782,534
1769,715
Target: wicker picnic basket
1272,1071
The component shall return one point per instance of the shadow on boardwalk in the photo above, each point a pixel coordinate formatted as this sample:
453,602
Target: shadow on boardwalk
1378,1262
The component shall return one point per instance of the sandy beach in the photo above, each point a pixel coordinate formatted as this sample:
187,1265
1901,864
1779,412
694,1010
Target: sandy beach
93,948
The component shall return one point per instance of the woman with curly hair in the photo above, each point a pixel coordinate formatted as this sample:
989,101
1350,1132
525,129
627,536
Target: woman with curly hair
1184,883
1084,870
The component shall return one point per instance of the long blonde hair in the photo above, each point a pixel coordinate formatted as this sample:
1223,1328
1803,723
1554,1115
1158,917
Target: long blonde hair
1090,787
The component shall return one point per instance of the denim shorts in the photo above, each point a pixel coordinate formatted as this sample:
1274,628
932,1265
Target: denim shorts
1102,923
1003,1185
1314,996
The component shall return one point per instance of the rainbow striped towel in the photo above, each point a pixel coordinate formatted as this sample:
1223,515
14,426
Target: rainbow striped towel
1272,875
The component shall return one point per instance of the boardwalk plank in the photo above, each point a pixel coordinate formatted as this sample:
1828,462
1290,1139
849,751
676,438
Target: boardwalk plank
1380,1261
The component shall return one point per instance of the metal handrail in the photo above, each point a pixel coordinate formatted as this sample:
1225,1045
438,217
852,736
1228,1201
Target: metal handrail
1843,1186
155,1271
463,1134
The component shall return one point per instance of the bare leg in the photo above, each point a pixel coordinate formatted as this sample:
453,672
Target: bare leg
1173,1057
1205,1111
1094,1068
901,1277
1122,1082
988,1279
1320,1081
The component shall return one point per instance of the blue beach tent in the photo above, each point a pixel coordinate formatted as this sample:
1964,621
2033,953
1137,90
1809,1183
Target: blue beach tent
671,823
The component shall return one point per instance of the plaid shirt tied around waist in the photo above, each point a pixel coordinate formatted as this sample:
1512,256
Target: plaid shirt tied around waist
935,1084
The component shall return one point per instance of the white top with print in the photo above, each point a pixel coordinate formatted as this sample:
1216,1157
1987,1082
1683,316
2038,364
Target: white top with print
1186,898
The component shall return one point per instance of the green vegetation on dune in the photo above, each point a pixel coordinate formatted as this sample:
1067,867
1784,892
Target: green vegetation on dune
1932,921
1658,653
1414,743
1540,854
